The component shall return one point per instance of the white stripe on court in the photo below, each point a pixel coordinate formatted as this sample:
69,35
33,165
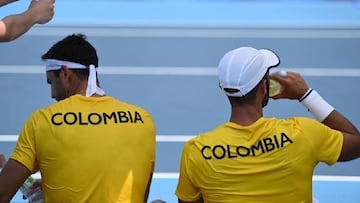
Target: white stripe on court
317,178
159,138
186,32
187,71
336,178
166,175
8,138
184,138
173,138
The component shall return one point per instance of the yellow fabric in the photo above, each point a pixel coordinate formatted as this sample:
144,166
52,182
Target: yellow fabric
89,149
270,161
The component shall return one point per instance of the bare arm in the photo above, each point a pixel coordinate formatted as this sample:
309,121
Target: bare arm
146,196
13,26
351,144
2,160
12,177
295,87
148,188
5,2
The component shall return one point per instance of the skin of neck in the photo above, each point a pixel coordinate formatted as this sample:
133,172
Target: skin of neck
249,113
77,87
72,84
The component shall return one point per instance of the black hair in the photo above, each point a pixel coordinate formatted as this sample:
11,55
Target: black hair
73,48
249,98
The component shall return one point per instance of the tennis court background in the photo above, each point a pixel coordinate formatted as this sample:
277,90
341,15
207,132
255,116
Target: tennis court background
162,55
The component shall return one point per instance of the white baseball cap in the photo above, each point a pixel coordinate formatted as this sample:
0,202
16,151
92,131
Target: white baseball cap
243,68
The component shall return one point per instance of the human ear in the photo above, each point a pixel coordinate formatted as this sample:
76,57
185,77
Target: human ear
65,71
264,85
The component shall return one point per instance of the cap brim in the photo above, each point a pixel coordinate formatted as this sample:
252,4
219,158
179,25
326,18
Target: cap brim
272,59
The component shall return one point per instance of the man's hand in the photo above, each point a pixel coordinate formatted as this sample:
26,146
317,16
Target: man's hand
36,184
294,85
43,10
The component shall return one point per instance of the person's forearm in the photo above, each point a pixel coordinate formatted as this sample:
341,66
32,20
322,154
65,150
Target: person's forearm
12,177
4,2
326,114
337,121
13,26
146,196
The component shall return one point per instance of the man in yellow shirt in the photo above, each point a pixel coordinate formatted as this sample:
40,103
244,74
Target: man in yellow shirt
254,159
63,140
15,25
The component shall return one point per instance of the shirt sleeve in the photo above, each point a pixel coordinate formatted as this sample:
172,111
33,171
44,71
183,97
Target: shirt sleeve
186,190
326,142
25,148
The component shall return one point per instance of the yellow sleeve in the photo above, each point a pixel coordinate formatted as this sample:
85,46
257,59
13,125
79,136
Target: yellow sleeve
326,142
186,190
25,149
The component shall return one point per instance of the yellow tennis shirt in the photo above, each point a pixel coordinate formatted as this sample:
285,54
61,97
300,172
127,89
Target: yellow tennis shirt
269,161
89,149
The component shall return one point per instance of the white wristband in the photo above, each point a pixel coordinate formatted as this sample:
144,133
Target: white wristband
316,105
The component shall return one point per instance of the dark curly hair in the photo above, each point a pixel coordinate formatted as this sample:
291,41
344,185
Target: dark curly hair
74,48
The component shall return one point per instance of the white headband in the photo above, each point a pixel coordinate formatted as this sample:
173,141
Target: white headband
92,88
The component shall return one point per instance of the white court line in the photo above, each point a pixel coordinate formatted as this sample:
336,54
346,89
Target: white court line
184,138
8,138
173,138
318,178
315,177
159,138
336,178
104,30
188,71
